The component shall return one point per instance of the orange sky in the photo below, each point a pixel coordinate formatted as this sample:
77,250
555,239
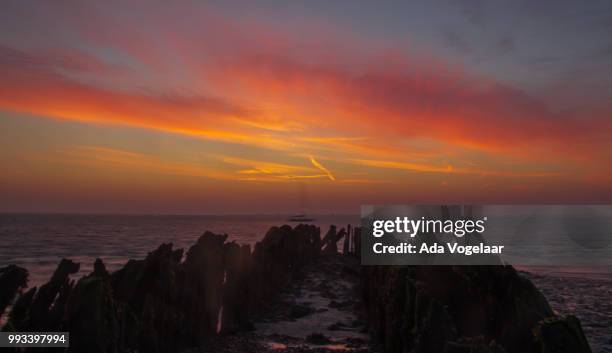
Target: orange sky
216,113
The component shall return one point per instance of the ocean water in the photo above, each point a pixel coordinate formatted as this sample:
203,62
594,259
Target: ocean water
583,293
38,242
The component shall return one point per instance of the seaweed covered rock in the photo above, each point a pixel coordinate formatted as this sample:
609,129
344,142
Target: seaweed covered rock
18,319
204,269
561,334
236,293
473,345
426,308
278,257
92,315
12,280
146,295
331,239
43,309
306,244
165,302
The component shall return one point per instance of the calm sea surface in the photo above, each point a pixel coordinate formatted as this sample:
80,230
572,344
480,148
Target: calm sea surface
38,242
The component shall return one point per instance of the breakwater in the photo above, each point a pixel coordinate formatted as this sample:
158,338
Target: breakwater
171,301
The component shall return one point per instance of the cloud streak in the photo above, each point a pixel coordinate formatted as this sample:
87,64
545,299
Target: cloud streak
322,168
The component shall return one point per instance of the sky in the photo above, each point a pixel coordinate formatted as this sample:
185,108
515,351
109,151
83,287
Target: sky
247,107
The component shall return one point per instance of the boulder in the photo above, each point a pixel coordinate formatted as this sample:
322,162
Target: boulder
318,339
92,314
236,291
150,304
298,311
42,316
163,303
424,308
18,318
13,279
561,334
331,239
204,268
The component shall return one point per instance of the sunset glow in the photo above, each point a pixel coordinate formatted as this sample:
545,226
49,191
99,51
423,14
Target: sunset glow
217,108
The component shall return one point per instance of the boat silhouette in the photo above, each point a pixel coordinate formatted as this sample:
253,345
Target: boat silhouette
300,218
303,202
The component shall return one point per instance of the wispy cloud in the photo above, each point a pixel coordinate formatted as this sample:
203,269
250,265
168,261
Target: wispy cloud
449,169
416,167
322,168
142,162
250,169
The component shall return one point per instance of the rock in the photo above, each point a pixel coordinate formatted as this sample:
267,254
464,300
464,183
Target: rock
476,345
12,280
300,310
18,317
338,326
422,308
436,330
205,268
40,308
561,334
331,239
341,304
341,326
306,241
318,339
44,309
99,269
58,309
164,304
92,315
352,242
346,246
236,291
271,265
357,242
150,303
278,258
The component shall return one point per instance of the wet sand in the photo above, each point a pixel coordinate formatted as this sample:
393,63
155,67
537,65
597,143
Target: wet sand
588,298
319,312
316,313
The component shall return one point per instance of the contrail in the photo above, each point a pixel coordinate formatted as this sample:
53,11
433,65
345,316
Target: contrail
322,168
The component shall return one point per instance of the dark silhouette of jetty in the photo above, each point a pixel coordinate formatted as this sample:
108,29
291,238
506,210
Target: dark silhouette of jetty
294,292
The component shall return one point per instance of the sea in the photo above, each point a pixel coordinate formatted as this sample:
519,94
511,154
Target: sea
38,242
